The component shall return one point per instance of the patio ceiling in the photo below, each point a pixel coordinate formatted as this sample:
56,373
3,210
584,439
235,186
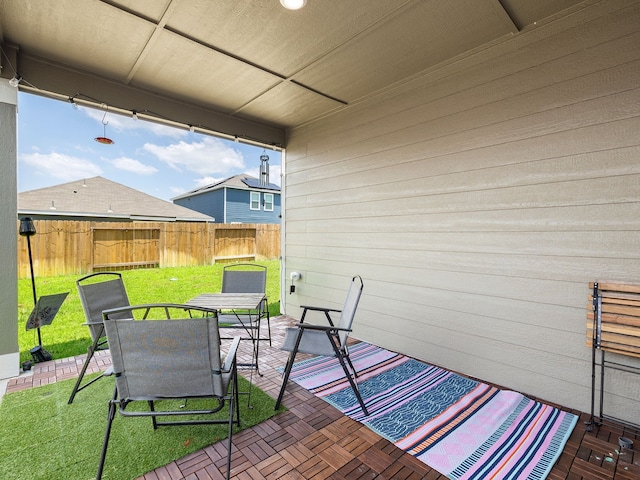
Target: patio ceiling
246,68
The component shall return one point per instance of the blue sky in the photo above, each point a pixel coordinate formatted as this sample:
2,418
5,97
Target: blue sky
56,145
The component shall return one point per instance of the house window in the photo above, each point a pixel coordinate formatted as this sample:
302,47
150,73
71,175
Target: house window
255,201
268,202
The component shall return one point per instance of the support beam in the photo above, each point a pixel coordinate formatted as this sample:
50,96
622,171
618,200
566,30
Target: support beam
9,352
46,77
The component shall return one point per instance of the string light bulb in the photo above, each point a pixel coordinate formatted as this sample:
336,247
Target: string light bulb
15,80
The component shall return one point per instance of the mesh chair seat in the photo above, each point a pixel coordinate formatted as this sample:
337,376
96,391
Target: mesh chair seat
312,342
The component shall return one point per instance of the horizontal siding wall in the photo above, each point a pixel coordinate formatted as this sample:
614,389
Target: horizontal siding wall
478,200
209,203
239,210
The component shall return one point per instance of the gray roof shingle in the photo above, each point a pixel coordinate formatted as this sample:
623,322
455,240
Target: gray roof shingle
240,182
99,197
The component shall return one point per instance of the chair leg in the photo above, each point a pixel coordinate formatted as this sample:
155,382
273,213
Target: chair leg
232,403
236,394
266,309
285,377
110,416
153,418
269,327
256,347
355,372
249,406
354,386
76,388
341,356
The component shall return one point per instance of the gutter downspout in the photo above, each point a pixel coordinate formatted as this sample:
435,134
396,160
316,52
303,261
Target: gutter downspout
224,206
283,234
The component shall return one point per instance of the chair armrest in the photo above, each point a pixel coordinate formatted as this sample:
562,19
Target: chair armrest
309,326
326,312
320,309
88,324
231,355
110,311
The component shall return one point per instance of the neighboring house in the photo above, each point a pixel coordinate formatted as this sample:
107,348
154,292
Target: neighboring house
238,199
100,199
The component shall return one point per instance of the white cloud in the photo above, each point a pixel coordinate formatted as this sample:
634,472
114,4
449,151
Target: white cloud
175,191
134,166
206,157
275,171
60,166
204,181
162,130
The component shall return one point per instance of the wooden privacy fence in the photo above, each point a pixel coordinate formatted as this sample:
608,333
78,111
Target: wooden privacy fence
69,247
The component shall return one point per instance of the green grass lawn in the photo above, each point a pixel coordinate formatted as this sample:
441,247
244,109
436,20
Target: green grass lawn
44,438
67,337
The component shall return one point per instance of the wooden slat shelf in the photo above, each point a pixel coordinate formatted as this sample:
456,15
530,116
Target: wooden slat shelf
613,325
616,314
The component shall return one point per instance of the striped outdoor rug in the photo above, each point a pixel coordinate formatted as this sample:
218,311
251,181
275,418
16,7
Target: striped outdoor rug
462,428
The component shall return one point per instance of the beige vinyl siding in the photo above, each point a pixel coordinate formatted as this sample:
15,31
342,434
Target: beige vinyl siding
9,351
478,200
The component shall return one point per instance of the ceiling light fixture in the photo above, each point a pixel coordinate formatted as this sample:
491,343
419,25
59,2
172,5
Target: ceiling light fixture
293,4
15,80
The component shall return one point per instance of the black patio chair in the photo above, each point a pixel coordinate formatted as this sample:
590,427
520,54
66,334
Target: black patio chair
246,278
326,340
95,297
170,354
